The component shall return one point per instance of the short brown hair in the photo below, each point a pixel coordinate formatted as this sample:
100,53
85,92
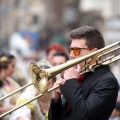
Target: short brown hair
93,37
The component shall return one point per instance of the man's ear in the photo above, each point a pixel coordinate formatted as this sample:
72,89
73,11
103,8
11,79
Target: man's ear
94,49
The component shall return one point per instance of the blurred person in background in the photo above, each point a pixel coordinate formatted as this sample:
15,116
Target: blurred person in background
52,49
7,67
7,84
60,58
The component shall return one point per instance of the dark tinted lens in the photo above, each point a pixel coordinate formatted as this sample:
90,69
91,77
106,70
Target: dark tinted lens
76,51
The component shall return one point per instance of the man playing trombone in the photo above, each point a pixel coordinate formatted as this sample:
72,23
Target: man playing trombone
91,96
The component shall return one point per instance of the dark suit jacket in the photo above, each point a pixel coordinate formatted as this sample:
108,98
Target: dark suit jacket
93,100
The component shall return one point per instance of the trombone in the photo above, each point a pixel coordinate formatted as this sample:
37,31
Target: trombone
40,77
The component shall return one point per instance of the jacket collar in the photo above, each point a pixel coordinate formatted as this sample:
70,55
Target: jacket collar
92,76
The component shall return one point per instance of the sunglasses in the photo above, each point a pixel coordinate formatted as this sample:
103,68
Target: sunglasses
76,50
